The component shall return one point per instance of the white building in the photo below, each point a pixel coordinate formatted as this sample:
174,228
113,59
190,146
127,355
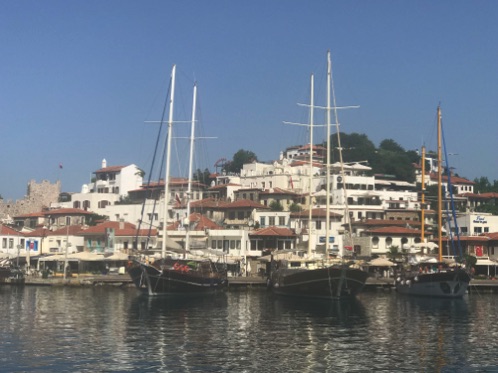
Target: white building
109,185
475,224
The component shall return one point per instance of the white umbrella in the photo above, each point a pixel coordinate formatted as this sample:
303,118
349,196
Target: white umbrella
381,262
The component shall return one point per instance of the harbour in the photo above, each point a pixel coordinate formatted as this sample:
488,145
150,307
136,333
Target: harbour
371,284
116,329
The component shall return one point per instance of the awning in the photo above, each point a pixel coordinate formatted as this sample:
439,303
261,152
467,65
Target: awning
380,262
486,262
117,257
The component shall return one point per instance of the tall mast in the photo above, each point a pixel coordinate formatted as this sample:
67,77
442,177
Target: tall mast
168,153
191,158
310,215
422,199
327,163
339,147
440,186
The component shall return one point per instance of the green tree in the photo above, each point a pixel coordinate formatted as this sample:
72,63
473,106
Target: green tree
355,148
203,177
240,158
482,185
276,206
295,207
94,219
392,159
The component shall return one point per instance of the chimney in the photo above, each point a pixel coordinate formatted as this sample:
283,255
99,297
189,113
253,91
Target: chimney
104,163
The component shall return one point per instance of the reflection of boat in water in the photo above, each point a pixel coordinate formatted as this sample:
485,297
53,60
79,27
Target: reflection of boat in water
319,276
10,273
157,309
167,276
346,311
419,278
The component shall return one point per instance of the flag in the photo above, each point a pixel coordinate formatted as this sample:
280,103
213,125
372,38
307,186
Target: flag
478,250
349,248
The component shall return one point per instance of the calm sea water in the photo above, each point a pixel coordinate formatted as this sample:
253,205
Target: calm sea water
106,329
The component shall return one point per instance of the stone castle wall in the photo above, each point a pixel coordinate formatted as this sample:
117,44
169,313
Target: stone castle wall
38,195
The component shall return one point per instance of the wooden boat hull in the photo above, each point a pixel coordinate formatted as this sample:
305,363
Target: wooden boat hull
166,280
446,284
333,282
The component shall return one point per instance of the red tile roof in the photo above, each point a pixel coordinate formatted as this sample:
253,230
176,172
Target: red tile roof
244,203
68,211
454,179
127,230
7,231
110,169
201,223
273,231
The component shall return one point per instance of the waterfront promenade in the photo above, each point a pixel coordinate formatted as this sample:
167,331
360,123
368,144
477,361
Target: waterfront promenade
387,284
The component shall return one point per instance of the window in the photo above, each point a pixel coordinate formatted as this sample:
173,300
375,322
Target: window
477,230
389,241
281,220
271,220
240,215
262,221
232,244
318,224
4,243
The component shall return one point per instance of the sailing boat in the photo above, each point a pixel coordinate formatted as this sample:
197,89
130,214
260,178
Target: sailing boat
442,281
322,279
171,276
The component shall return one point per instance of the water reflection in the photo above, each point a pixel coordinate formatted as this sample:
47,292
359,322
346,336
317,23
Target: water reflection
116,330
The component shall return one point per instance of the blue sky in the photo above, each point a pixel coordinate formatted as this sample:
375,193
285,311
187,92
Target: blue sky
79,79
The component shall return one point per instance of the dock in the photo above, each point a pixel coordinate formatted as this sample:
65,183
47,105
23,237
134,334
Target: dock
234,283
